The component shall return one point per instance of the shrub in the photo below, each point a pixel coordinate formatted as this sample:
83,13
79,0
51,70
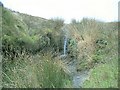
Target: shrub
57,23
34,72
72,48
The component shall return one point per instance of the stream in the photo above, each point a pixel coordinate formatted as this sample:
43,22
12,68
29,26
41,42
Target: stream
77,77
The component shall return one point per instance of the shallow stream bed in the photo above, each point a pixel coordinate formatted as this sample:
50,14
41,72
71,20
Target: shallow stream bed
77,77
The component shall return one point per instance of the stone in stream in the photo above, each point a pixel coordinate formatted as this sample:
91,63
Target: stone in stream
63,56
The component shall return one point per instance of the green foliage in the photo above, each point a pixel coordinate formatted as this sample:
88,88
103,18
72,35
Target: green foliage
7,17
53,75
101,43
34,72
104,76
7,21
72,48
10,33
97,58
28,34
57,23
83,65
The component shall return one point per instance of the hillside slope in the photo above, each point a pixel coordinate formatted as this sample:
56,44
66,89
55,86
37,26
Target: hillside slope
28,40
27,31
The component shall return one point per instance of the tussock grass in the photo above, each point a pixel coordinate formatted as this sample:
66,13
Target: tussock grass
103,60
37,36
39,71
87,32
104,76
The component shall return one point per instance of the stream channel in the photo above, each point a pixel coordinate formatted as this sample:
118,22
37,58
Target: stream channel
78,77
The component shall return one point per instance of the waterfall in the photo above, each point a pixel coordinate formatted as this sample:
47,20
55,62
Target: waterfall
65,40
65,45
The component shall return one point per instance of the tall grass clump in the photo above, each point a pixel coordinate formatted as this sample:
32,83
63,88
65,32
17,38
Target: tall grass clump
96,41
104,75
39,71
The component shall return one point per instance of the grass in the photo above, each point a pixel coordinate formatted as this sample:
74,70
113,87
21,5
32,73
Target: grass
104,76
104,60
105,73
34,72
41,70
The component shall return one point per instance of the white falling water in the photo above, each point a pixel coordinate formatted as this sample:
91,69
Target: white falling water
65,45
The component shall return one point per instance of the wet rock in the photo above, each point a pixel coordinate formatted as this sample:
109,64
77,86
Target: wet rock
63,56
